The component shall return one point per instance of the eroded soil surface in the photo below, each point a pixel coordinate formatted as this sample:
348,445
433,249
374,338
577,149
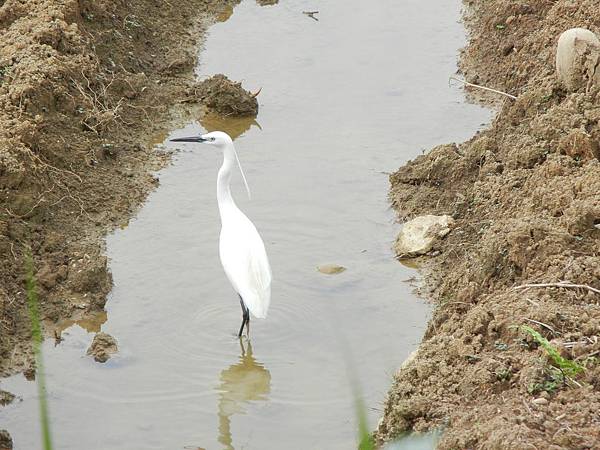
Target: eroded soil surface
525,195
84,86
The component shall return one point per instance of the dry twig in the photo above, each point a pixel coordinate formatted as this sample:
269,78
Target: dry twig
484,88
542,324
561,284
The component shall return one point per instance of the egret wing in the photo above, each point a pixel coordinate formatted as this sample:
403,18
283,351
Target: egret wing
246,265
259,287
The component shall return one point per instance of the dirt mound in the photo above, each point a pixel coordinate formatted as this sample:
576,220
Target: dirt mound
225,97
6,442
102,347
84,85
525,198
6,398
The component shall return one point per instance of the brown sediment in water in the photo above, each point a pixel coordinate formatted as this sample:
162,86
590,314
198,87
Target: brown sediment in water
525,194
84,87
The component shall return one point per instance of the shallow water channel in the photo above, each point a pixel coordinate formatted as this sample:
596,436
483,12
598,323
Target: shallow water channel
344,99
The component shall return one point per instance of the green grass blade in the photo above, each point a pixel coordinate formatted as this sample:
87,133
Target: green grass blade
365,440
569,368
36,337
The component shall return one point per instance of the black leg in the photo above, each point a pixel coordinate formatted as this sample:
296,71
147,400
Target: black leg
242,327
245,316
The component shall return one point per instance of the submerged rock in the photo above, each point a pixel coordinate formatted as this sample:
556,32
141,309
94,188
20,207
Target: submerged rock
103,346
419,235
331,269
577,58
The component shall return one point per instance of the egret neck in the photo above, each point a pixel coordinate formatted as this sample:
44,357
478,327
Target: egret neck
224,198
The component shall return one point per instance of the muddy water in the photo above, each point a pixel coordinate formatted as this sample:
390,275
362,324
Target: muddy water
343,100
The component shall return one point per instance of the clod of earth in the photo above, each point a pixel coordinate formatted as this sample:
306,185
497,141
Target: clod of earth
577,58
223,96
419,235
331,269
6,398
579,145
6,442
103,346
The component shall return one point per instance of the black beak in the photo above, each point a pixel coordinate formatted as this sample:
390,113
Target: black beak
189,139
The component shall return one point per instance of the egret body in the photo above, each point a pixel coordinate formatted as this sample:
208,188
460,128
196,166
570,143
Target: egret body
241,248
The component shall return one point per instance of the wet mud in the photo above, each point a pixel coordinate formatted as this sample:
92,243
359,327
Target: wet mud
225,98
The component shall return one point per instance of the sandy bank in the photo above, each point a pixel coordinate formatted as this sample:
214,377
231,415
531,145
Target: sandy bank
525,194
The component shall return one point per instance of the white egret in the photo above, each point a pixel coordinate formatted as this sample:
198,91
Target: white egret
241,248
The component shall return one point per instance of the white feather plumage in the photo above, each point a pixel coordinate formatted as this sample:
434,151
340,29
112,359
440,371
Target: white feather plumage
241,248
245,262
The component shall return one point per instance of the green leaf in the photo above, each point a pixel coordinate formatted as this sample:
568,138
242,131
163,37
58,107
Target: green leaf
568,367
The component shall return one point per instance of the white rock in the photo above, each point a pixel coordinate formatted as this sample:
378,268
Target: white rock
577,56
419,235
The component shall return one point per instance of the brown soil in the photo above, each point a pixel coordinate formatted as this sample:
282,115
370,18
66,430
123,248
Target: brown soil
85,87
102,347
6,442
226,98
525,195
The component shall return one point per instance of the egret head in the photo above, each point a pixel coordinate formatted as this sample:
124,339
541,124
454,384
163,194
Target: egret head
220,140
215,138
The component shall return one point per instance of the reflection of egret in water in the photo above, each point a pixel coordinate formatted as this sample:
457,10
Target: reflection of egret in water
241,383
233,126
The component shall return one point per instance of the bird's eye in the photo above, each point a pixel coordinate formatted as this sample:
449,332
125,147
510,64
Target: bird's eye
212,139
